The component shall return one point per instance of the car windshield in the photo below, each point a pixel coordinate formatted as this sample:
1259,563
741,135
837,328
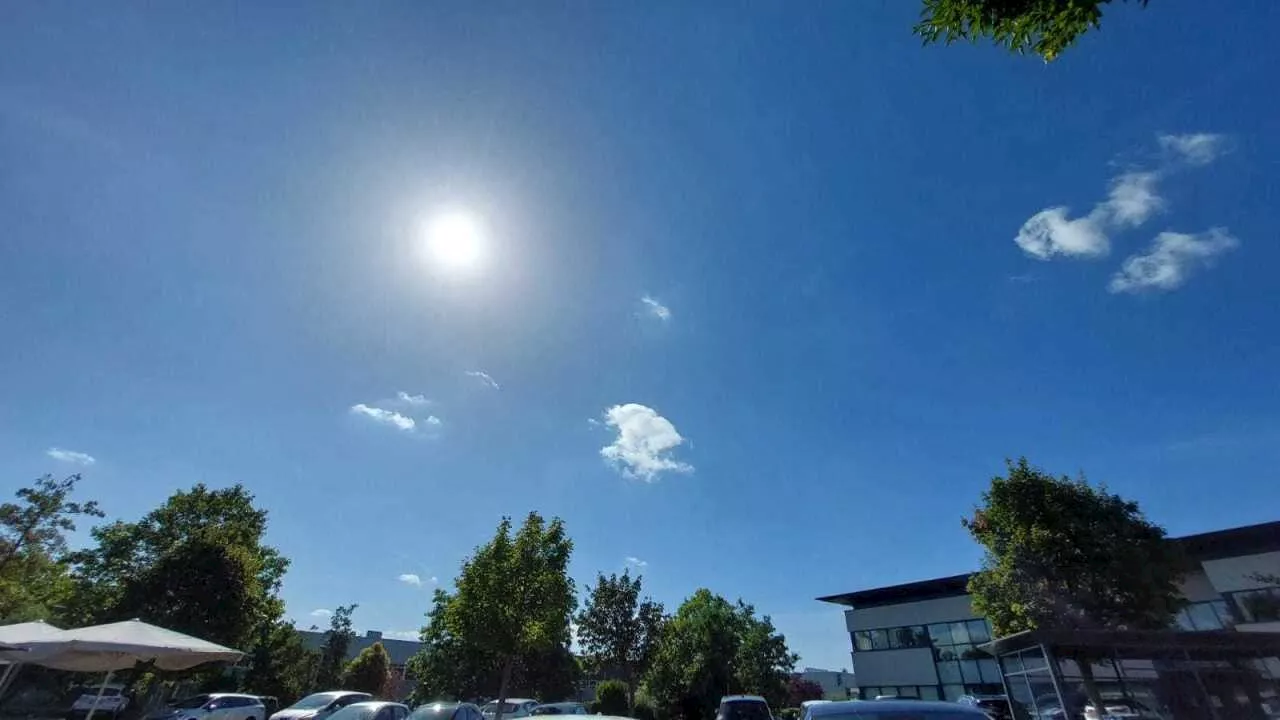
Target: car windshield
192,702
904,715
314,702
553,710
506,708
434,711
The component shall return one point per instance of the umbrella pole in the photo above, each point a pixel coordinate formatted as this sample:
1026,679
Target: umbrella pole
101,689
8,675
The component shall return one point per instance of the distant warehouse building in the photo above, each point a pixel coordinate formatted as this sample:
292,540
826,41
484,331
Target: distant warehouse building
919,639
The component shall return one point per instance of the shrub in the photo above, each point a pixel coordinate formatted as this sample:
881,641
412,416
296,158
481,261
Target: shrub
611,697
789,713
645,708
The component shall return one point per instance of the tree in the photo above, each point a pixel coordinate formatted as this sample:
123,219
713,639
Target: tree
369,672
711,648
617,631
280,665
801,690
613,697
129,553
337,641
1046,27
1062,554
34,582
513,599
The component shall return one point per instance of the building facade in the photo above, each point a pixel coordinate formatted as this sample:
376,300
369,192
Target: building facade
920,639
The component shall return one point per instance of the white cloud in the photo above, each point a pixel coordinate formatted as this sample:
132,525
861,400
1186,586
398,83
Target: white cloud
386,417
410,579
1050,232
1170,260
485,378
433,420
644,444
1194,148
70,456
636,562
655,308
321,613
408,399
1133,199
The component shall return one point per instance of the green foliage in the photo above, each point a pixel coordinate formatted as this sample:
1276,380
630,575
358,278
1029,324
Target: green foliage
370,671
612,698
644,708
128,553
333,653
508,620
1061,553
34,581
1046,27
280,665
711,648
617,631
791,713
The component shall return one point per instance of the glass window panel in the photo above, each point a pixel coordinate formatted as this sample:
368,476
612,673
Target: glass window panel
946,652
929,692
1033,659
959,632
989,670
949,672
879,640
978,632
908,691
969,671
1203,617
969,652
1223,610
862,640
952,693
940,634
1183,620
1011,664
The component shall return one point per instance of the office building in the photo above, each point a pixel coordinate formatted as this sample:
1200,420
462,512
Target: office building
919,639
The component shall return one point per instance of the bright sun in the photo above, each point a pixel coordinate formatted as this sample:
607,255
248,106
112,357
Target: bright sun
455,241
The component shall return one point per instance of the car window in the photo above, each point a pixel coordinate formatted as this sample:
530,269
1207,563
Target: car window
744,710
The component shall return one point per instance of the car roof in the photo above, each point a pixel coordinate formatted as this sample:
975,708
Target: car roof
235,695
560,704
842,707
375,703
737,698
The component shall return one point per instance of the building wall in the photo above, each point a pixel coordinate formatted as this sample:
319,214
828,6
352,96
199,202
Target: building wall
1237,573
895,667
921,612
836,684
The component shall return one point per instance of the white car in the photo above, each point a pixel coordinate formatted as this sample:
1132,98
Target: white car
214,706
111,703
318,706
513,708
372,710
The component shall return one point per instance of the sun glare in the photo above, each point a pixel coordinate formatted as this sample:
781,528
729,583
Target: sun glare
455,241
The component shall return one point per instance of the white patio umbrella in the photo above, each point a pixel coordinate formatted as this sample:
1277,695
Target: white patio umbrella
119,646
12,641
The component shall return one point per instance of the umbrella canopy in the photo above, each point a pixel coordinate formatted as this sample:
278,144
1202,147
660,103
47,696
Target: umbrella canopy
117,646
20,634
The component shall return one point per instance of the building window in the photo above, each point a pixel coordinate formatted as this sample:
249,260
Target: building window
1257,606
1208,615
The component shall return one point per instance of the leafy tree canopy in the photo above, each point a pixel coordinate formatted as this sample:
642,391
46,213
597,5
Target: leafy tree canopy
1045,27
280,664
801,690
337,641
617,631
34,582
711,648
370,671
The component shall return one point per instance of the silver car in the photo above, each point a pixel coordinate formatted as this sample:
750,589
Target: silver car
319,706
372,710
446,711
214,706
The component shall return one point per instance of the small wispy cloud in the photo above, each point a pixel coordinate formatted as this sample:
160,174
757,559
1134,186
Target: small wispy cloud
1194,148
410,579
636,562
1050,232
645,442
485,378
433,421
409,399
655,308
385,417
1170,261
70,456
1132,199
321,613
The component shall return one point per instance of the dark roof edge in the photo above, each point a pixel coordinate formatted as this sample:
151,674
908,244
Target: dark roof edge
1213,545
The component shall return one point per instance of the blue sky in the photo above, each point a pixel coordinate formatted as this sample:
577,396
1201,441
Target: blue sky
863,295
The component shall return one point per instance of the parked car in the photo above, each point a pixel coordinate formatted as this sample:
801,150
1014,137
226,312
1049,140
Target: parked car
893,710
560,708
214,706
112,702
743,707
514,708
997,706
446,711
319,706
372,710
